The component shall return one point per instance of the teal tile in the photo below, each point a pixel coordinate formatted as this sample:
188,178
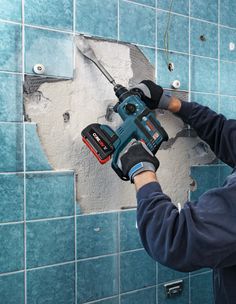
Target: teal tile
108,301
97,279
137,24
204,39
166,274
150,54
146,2
137,270
12,247
228,13
206,178
10,47
225,171
226,37
202,289
49,195
52,49
140,297
97,17
11,108
51,285
97,234
129,235
54,13
208,100
228,107
12,197
180,6
12,289
50,242
36,159
183,298
227,78
10,10
202,9
178,33
202,79
11,149
165,78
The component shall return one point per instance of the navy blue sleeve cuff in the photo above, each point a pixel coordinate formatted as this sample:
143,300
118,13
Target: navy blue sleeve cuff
186,110
145,191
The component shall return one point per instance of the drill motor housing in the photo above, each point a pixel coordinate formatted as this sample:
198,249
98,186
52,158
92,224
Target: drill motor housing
139,123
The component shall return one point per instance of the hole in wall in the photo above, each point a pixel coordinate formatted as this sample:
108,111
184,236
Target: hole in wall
203,38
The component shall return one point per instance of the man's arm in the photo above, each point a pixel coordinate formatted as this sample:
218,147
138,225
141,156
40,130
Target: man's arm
202,234
211,127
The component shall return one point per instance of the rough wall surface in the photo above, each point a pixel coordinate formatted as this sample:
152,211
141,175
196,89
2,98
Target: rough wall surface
62,109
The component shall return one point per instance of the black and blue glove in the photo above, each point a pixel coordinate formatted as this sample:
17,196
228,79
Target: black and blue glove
152,95
138,158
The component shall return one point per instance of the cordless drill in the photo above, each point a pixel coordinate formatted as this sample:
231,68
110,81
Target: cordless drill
139,122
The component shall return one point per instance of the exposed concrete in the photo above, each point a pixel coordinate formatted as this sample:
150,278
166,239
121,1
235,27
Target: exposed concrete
63,109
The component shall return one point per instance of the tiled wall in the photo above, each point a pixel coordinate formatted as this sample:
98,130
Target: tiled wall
48,253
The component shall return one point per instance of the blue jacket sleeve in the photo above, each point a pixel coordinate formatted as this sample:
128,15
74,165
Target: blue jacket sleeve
213,128
202,234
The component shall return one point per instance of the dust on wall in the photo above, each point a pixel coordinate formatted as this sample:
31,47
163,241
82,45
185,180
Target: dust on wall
62,109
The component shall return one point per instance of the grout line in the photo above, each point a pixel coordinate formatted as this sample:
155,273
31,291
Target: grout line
74,27
11,273
156,78
50,219
219,65
118,20
9,72
52,265
189,288
189,58
35,172
11,223
140,4
157,270
50,29
75,224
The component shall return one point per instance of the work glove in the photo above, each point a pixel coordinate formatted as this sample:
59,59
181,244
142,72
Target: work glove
152,95
138,158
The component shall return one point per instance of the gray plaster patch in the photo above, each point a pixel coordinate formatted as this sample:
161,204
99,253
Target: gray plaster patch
84,100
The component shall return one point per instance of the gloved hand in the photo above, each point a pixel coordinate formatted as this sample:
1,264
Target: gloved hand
138,158
152,95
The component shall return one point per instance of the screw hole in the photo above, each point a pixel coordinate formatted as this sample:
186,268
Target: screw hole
171,66
66,117
202,38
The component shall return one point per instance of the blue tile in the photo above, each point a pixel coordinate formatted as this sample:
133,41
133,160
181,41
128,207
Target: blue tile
207,10
206,177
97,17
226,36
11,108
180,6
12,197
97,235
150,54
137,24
10,47
49,195
202,79
228,13
166,274
12,288
10,10
201,289
228,107
52,49
108,301
50,242
146,2
227,78
129,235
36,159
208,100
178,32
137,270
209,32
51,285
55,13
183,298
165,78
140,297
97,279
12,247
11,149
